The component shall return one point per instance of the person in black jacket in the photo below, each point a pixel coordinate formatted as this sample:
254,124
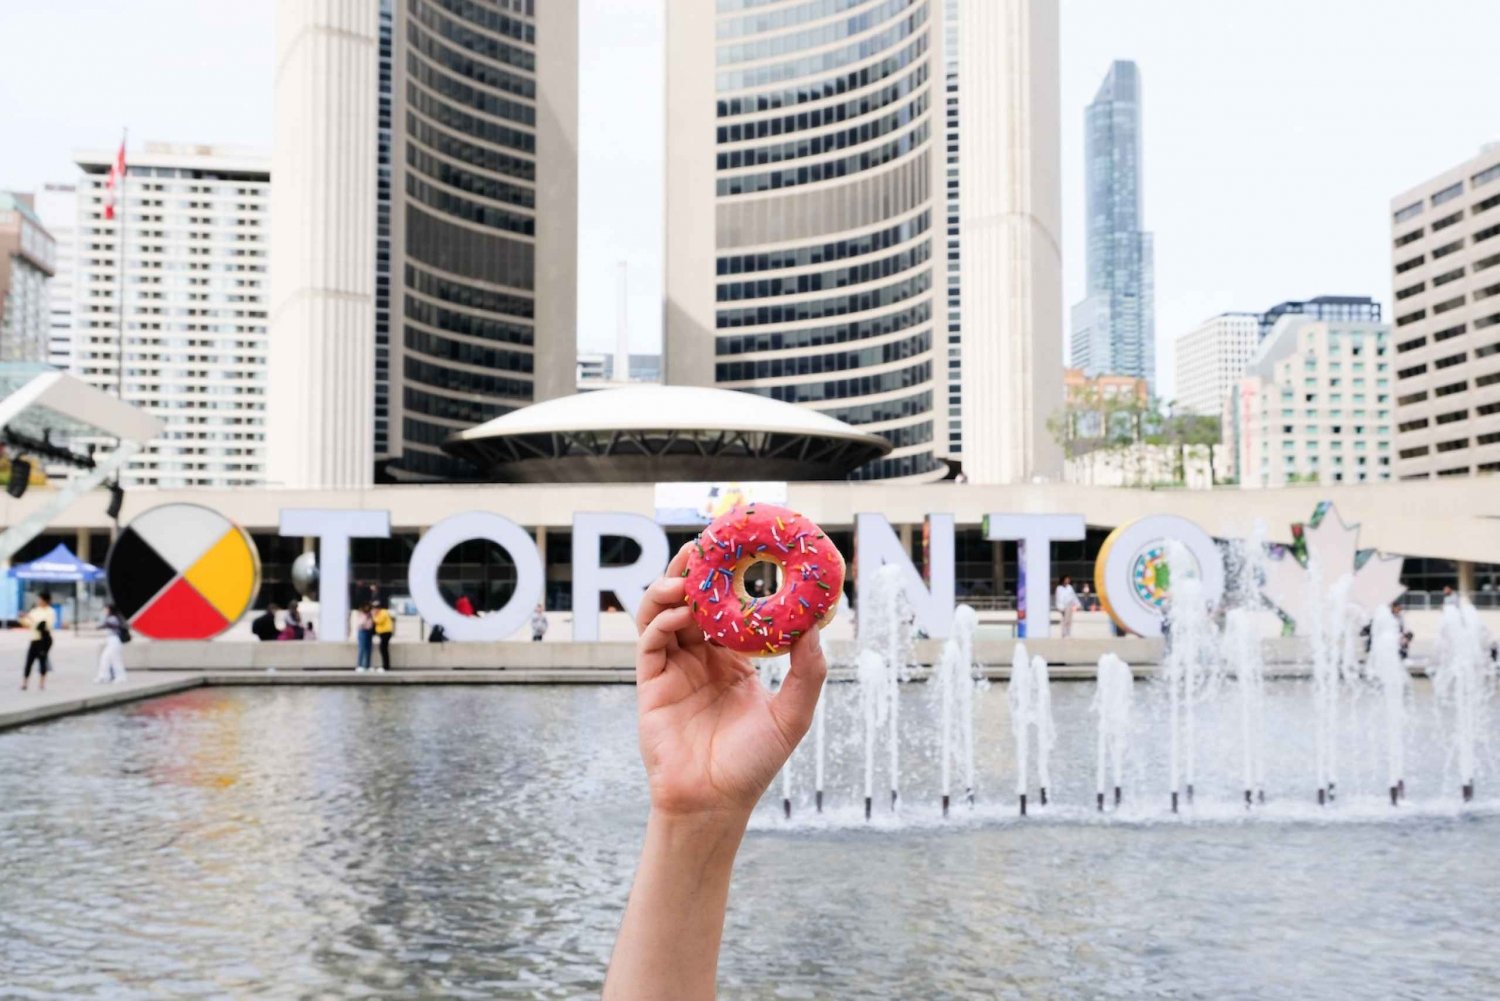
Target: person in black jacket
264,626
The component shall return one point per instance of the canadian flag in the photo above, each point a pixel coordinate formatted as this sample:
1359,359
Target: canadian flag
115,183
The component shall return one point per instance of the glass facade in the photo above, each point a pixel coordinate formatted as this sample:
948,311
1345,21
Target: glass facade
1114,327
841,97
467,194
383,236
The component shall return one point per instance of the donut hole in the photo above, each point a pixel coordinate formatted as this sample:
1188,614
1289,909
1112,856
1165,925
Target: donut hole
757,577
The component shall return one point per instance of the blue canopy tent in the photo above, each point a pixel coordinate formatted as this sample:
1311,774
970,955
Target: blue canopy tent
59,566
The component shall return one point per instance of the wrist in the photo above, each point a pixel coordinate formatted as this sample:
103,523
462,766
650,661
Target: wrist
712,835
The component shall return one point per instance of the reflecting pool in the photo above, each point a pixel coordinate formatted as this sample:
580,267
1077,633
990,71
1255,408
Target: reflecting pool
478,842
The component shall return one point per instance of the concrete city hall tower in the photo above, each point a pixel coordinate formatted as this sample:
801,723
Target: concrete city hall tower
322,350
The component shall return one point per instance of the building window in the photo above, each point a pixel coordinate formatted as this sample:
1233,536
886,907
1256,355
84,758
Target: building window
1410,212
1449,193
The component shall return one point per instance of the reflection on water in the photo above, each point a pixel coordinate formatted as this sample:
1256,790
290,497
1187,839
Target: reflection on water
479,842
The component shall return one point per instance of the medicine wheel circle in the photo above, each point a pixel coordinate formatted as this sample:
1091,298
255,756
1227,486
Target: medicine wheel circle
182,572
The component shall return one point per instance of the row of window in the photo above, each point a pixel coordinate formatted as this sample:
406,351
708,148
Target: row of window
469,353
811,38
491,327
818,90
786,367
857,274
485,256
460,62
822,62
755,316
884,410
456,89
813,173
464,180
842,333
817,118
785,18
841,389
463,412
467,296
853,246
480,42
452,380
817,145
486,158
465,124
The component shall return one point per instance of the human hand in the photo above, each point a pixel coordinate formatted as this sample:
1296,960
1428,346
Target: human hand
712,738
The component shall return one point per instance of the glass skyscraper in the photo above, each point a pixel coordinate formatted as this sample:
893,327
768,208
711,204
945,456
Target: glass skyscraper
1114,326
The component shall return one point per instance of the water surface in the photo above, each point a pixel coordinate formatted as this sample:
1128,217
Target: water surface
479,842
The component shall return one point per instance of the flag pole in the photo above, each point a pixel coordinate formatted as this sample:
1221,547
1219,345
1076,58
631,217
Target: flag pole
120,278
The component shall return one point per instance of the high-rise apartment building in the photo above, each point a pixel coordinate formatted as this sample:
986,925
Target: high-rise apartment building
1211,358
1314,406
862,219
195,225
1353,308
1446,263
57,206
431,267
1114,325
27,260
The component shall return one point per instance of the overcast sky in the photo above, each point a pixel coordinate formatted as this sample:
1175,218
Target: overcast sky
1276,132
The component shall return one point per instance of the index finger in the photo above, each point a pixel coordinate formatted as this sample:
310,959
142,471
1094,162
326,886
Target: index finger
664,592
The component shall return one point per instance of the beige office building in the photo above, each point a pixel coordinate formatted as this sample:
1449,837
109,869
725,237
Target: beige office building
862,219
1211,359
1446,263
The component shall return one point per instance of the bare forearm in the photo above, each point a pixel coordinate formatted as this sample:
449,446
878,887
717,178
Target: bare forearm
668,947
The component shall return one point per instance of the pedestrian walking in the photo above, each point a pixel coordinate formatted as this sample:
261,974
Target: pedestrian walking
385,628
1066,600
39,621
112,657
538,624
364,634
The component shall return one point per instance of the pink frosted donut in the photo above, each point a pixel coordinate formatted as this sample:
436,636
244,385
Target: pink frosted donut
812,577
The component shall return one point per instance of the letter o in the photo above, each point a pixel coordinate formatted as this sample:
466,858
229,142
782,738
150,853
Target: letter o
422,575
1130,550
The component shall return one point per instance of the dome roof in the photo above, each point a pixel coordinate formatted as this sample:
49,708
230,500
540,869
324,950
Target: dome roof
652,407
666,433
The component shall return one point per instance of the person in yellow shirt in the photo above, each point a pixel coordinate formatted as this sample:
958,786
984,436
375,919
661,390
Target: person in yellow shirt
385,628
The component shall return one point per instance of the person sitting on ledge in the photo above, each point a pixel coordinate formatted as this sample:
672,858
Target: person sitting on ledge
712,739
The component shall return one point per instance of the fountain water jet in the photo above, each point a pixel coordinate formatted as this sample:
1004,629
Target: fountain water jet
1113,696
1463,679
874,704
1330,620
1046,729
1242,646
955,690
1018,692
820,749
1387,668
1188,633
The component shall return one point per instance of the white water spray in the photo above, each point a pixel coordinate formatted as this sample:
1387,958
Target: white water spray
1018,692
955,683
1463,678
1113,696
1046,729
1388,669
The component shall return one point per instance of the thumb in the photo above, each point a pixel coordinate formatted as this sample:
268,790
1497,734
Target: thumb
794,704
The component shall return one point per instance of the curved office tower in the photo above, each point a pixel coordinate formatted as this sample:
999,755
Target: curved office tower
483,218
807,238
